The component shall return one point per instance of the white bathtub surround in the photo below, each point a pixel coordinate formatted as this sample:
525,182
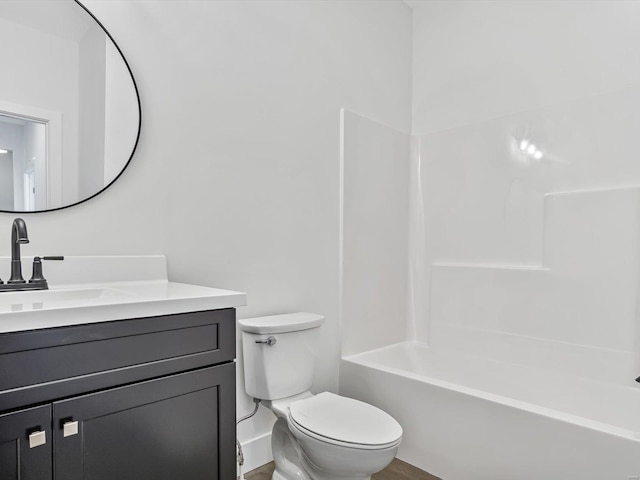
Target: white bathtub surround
375,233
524,266
470,417
585,296
484,199
418,280
521,251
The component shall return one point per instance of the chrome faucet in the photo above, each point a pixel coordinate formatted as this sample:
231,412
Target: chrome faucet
16,282
18,236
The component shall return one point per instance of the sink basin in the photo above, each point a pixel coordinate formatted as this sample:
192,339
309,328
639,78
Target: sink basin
39,299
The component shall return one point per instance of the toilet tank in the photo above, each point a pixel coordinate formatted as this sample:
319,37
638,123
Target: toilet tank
279,354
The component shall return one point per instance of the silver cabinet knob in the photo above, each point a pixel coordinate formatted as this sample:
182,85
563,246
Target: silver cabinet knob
271,341
37,438
69,429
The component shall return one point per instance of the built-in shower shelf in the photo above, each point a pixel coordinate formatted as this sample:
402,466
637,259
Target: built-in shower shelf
584,292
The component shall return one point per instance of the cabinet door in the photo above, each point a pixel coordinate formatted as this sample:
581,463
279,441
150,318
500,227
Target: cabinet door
177,427
25,444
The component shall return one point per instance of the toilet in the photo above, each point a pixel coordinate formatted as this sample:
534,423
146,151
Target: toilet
315,437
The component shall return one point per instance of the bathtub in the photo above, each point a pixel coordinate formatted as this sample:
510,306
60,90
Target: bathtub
473,418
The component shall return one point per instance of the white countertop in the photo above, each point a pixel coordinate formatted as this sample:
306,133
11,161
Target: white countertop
148,295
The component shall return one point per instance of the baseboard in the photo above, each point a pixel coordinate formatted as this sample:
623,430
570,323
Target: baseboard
257,452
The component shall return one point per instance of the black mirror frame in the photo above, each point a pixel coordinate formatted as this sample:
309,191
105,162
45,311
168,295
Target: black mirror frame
135,145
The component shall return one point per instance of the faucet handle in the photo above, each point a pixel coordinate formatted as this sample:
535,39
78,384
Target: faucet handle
37,276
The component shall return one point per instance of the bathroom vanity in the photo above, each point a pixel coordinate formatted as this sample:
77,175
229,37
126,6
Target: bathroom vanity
127,380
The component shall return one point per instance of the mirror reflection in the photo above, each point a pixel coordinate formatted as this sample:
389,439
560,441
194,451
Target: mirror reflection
69,109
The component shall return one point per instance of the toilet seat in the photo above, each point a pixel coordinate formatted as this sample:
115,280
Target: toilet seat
344,421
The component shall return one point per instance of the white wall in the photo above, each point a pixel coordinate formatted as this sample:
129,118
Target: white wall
514,256
476,60
236,177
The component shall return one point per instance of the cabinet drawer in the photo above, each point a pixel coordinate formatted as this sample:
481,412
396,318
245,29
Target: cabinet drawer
45,364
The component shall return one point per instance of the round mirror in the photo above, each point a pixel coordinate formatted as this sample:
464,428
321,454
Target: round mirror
69,107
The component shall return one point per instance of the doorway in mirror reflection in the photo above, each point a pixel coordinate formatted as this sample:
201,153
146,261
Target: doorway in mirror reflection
23,162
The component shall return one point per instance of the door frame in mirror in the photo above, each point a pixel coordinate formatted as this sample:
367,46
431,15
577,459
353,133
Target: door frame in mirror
53,121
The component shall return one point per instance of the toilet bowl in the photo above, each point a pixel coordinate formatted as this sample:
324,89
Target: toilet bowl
315,437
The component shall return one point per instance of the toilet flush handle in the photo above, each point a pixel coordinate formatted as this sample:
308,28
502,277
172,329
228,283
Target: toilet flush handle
271,341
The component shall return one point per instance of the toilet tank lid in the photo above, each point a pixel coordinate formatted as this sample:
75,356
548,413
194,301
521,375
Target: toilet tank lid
289,322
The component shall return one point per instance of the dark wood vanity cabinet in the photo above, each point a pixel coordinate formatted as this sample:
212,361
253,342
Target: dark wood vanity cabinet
147,399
